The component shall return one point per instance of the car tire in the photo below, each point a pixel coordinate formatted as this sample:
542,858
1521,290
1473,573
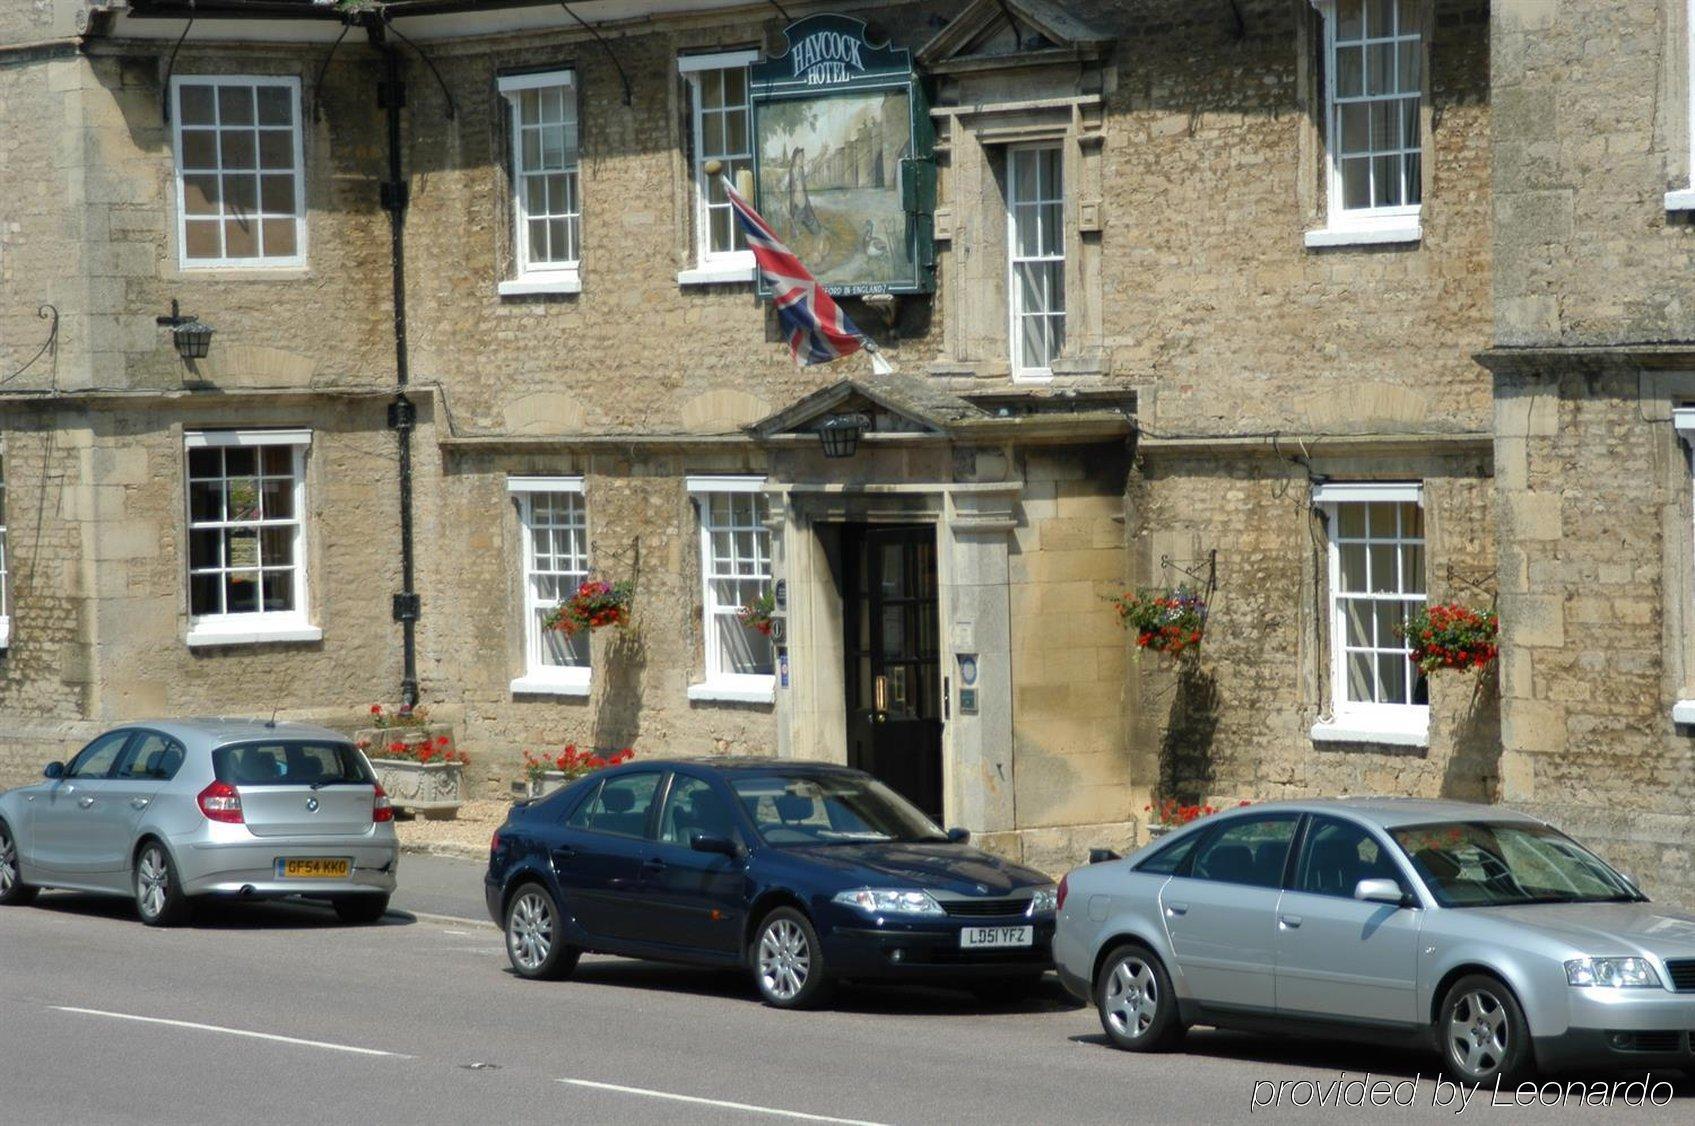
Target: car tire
788,962
1135,1000
533,925
360,910
159,898
1483,1034
13,891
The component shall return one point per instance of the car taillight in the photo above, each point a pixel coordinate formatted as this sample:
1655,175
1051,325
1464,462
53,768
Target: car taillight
381,808
494,843
1059,896
220,802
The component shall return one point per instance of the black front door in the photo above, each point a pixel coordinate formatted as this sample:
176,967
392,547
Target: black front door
894,694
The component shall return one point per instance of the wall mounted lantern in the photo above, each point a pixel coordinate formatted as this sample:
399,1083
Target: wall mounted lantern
191,335
840,434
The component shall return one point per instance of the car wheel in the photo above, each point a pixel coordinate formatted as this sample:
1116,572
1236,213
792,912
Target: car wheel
360,909
159,898
13,891
1483,1033
532,936
788,962
1137,1005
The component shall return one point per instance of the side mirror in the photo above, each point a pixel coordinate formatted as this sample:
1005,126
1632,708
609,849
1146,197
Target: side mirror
723,846
958,836
1380,891
1102,855
54,770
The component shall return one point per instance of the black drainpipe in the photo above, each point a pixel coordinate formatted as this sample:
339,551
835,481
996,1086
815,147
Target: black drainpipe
402,415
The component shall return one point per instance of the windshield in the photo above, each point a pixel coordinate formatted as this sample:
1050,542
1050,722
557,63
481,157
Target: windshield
290,764
1476,864
832,809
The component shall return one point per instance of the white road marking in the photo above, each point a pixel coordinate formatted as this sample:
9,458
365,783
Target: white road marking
718,1103
233,1032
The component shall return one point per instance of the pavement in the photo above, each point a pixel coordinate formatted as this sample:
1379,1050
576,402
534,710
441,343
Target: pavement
278,1013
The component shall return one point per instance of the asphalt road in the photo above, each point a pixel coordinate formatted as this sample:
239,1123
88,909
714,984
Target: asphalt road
277,1013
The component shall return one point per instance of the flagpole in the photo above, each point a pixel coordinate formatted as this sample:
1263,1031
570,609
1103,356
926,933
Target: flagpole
879,365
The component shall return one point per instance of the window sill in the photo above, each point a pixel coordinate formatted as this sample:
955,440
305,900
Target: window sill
1354,729
753,690
551,686
724,273
208,634
1364,236
560,283
1683,711
1683,199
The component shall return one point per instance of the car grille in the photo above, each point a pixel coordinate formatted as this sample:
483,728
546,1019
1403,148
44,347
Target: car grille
1668,1040
984,908
1682,972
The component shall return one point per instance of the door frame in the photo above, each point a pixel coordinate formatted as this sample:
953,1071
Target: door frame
974,525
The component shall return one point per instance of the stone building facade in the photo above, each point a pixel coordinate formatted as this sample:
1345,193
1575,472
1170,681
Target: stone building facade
1256,376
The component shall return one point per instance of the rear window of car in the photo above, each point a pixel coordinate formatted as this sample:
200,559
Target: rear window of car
290,763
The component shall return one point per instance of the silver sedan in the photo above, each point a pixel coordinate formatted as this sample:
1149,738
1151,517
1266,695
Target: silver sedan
167,812
1482,933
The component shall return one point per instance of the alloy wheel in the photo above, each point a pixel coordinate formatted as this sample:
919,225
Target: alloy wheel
1132,997
153,882
1478,1033
8,862
785,960
529,933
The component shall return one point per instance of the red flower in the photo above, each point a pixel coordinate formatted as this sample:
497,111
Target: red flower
442,740
397,746
376,709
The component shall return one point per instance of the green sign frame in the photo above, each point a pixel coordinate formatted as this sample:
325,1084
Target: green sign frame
844,158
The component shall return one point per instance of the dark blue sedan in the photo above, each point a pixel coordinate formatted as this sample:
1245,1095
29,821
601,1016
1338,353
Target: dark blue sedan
806,873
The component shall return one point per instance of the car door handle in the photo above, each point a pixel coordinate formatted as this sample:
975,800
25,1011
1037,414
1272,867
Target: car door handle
1290,922
1176,908
564,854
138,803
654,864
85,802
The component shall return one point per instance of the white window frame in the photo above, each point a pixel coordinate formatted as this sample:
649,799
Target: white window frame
746,688
260,626
1014,304
1683,199
1353,721
711,267
546,277
275,262
1361,226
5,562
538,677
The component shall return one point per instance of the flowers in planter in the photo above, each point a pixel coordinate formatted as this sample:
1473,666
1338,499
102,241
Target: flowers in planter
1165,621
572,763
1172,812
437,751
757,615
1451,636
596,603
406,715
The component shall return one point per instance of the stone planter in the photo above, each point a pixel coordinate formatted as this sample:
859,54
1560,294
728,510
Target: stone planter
546,784
1158,829
434,789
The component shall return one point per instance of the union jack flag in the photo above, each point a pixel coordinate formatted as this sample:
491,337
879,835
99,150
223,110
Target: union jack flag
817,329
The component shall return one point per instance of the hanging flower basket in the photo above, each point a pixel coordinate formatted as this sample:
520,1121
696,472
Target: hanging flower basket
1451,636
757,615
1171,622
545,775
596,604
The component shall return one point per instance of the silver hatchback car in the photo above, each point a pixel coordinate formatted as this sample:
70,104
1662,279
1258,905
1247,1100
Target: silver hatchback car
167,812
1480,932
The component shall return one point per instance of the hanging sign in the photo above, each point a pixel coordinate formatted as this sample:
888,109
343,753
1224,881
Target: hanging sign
844,158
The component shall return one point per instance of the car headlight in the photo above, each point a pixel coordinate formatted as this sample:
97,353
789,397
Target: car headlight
890,901
1045,901
1615,973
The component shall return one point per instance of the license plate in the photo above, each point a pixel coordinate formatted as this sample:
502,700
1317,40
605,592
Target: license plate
313,868
982,937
